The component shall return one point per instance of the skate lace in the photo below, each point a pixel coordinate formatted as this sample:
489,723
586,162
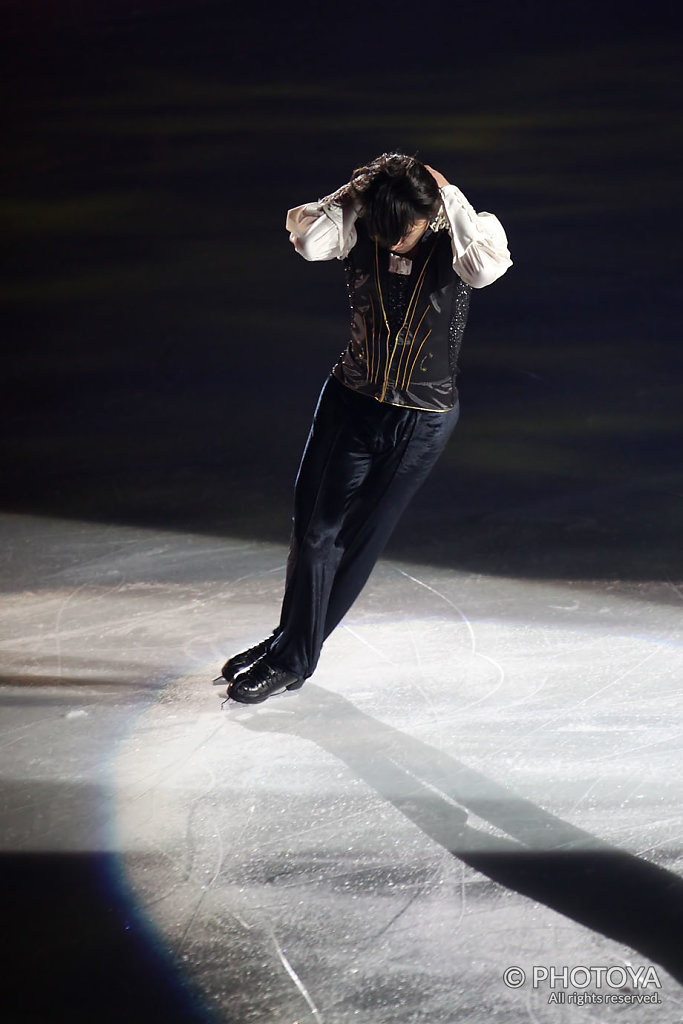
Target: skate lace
263,672
260,648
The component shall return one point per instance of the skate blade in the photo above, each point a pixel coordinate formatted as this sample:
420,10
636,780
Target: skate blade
218,680
231,702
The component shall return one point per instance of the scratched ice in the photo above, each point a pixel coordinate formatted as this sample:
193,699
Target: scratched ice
483,773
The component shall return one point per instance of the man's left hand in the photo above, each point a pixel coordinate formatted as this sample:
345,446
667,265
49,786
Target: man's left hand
437,176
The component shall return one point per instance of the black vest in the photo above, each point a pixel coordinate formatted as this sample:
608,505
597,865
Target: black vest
406,329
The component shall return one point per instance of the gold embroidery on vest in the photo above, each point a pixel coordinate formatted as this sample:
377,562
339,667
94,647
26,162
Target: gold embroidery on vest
412,303
412,345
417,357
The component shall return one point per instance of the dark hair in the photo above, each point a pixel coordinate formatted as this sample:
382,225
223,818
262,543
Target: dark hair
394,190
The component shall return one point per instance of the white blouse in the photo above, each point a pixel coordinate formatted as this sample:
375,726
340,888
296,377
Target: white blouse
326,230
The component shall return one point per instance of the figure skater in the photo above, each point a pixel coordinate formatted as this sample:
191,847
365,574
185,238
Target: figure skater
413,249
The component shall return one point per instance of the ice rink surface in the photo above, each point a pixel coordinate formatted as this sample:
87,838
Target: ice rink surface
481,776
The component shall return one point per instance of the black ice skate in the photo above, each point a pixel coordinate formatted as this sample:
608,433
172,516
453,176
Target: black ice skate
244,660
261,681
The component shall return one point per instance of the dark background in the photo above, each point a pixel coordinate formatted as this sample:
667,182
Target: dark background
164,345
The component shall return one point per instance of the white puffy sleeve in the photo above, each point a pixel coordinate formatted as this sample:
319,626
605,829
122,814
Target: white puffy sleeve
480,252
323,230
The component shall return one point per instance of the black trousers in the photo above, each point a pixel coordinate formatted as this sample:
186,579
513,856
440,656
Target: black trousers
362,464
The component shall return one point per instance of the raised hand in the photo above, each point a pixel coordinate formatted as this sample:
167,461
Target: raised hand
437,176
